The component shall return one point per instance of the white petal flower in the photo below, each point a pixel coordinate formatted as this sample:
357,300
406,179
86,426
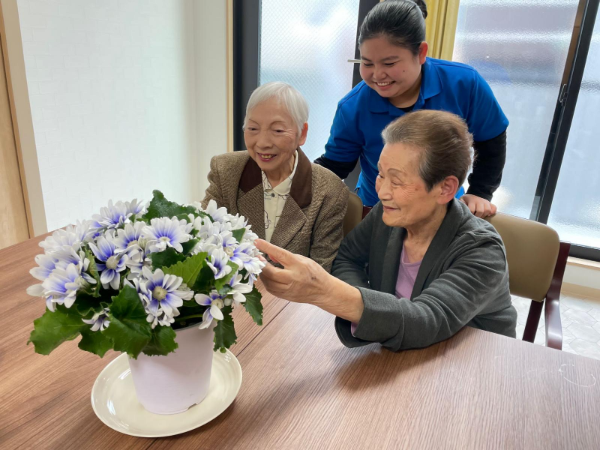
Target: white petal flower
62,285
164,232
162,295
214,303
112,216
99,321
73,236
46,263
239,289
217,214
218,263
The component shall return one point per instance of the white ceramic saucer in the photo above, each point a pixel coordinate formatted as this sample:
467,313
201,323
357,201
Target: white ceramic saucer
115,403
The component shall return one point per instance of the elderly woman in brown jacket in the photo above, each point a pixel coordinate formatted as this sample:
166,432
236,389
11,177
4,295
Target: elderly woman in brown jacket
289,201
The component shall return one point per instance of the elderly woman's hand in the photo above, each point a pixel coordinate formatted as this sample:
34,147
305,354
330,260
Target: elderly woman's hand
304,281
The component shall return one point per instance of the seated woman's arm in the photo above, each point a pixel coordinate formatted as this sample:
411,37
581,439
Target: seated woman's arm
328,231
469,285
213,191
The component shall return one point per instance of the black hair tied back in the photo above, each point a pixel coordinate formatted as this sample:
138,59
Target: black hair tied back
402,22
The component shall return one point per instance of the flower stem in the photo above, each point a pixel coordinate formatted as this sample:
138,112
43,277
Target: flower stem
193,316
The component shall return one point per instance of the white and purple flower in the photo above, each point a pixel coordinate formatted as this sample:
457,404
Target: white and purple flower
62,285
46,263
219,263
162,295
164,232
217,214
113,261
214,303
244,256
73,236
136,208
238,289
99,321
130,236
112,216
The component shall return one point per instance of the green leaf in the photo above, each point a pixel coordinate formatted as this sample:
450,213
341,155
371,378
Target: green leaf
254,306
189,245
205,281
161,207
226,279
162,342
93,271
166,258
86,303
94,342
225,290
188,269
128,327
239,234
54,328
225,335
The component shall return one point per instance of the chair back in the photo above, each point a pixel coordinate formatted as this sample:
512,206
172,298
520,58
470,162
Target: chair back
354,213
532,251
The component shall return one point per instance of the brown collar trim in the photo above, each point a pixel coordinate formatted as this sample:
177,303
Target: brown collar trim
301,190
251,176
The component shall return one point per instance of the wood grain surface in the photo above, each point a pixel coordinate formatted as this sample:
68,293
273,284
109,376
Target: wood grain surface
302,389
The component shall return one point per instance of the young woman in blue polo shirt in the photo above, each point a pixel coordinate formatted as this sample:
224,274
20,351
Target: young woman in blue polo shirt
398,77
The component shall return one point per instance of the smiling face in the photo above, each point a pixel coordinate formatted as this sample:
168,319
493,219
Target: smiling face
394,72
403,193
271,137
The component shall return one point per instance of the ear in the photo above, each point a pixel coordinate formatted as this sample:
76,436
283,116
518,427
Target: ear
423,49
448,189
303,134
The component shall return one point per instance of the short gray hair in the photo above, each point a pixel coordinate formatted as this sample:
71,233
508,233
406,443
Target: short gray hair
287,95
442,137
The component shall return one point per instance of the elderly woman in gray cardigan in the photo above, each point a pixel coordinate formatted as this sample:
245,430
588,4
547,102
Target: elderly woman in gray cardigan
420,266
288,200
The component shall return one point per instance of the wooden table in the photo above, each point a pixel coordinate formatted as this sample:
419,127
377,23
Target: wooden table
303,389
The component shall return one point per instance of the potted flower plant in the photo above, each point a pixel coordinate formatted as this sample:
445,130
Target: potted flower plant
158,282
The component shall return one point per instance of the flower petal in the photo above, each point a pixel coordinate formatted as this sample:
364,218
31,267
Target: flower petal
216,312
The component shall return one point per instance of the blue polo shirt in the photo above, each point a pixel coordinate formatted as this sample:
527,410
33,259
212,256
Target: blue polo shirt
362,115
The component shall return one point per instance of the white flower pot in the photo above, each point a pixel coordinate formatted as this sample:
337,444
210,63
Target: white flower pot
173,383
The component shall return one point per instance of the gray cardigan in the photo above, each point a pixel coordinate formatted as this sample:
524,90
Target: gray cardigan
463,280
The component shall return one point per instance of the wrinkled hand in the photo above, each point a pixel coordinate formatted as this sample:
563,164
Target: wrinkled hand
301,280
479,206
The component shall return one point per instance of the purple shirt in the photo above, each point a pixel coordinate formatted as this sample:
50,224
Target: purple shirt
407,274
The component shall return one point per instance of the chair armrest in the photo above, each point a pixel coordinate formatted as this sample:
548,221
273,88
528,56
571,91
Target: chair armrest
554,335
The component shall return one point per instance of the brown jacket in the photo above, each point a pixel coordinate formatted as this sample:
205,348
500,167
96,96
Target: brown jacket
311,221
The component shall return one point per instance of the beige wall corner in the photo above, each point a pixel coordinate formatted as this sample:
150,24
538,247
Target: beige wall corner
23,124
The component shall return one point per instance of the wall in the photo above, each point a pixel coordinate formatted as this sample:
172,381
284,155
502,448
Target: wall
210,31
120,95
582,277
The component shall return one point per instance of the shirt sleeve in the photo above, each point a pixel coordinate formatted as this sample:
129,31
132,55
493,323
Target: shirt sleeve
345,142
485,118
490,157
340,168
